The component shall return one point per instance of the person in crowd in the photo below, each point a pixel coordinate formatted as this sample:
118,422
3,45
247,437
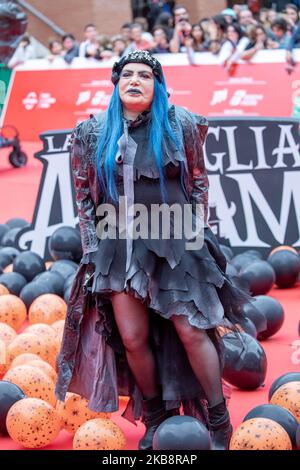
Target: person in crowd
165,20
137,40
291,16
182,30
56,50
88,48
258,40
119,45
24,52
246,19
125,32
179,12
197,41
279,29
229,15
145,28
232,48
70,48
160,40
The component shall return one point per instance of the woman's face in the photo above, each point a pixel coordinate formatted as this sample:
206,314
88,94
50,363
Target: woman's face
232,34
292,15
136,87
197,33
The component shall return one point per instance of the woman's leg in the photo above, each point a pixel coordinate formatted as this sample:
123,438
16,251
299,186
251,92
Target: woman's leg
132,318
202,356
204,361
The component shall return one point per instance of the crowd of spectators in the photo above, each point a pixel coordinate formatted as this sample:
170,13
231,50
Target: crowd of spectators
236,33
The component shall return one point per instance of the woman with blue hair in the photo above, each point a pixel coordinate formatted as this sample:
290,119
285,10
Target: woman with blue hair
143,312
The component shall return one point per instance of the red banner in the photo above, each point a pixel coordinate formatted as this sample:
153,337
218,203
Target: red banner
41,100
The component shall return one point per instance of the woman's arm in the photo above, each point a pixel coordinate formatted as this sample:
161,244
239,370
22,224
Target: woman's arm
85,204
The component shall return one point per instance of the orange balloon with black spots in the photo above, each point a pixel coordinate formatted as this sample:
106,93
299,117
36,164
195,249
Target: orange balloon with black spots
33,381
260,434
33,423
58,327
12,310
3,290
24,358
288,396
47,333
99,434
31,343
45,367
7,333
74,412
47,308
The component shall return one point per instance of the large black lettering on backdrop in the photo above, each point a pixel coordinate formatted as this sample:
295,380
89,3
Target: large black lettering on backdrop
254,173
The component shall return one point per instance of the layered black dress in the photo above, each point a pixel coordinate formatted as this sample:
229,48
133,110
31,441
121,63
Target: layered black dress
169,279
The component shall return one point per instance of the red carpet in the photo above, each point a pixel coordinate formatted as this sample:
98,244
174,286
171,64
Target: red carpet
17,196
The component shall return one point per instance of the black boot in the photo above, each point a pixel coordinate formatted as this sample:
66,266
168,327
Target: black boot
220,426
153,414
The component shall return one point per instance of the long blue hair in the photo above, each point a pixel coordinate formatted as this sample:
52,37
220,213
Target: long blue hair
160,134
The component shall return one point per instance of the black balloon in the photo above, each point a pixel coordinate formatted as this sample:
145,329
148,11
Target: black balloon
9,238
9,394
69,281
245,361
34,289
29,264
67,294
181,433
64,267
273,312
254,253
242,260
281,415
286,265
13,281
65,243
282,380
7,255
53,279
3,229
259,276
258,318
17,222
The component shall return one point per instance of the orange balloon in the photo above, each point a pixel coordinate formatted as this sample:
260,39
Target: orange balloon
30,343
45,367
260,434
58,327
283,247
7,333
46,332
74,412
3,290
24,359
288,396
99,434
3,358
32,423
8,268
33,381
12,310
47,308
